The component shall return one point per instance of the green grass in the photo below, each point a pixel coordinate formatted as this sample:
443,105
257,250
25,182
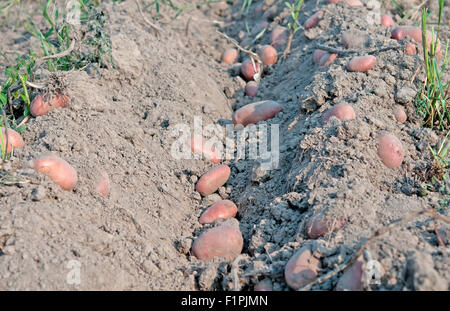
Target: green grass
294,8
54,38
433,96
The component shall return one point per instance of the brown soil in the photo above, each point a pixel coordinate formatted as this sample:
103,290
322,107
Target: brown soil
120,122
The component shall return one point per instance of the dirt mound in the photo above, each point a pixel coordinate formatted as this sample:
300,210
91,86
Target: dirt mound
121,123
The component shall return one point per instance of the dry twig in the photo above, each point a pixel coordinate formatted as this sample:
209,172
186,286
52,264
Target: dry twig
347,52
157,29
430,212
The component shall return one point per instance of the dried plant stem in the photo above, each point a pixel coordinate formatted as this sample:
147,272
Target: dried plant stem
41,60
430,212
252,54
157,29
347,52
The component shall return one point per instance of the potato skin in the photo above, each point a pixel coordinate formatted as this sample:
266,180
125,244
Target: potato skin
327,59
259,111
58,170
361,63
247,69
223,209
341,111
40,107
399,114
319,226
313,20
351,279
103,186
410,49
278,36
265,285
268,55
387,21
15,140
223,241
390,150
251,88
318,55
198,146
230,56
354,2
301,269
213,179
414,33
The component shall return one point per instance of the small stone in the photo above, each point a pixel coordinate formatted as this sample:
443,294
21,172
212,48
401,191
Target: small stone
194,179
405,95
211,199
184,245
38,193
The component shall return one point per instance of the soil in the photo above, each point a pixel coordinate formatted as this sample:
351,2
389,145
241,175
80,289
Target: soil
121,123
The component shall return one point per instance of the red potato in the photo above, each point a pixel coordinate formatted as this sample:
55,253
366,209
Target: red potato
220,210
301,269
58,170
341,111
333,1
319,226
278,36
410,49
40,107
390,150
198,146
387,21
223,241
230,56
361,63
247,69
354,3
268,55
265,285
15,140
351,279
103,186
213,179
327,59
313,21
414,33
259,111
251,88
399,114
318,55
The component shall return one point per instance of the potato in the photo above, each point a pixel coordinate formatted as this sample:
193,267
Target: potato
301,269
40,107
319,226
14,140
410,49
354,3
259,111
414,33
333,1
58,170
251,88
223,241
213,179
198,146
223,209
327,59
268,55
361,63
265,285
341,111
313,21
230,56
399,114
102,185
247,69
390,150
318,55
387,21
278,36
351,279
